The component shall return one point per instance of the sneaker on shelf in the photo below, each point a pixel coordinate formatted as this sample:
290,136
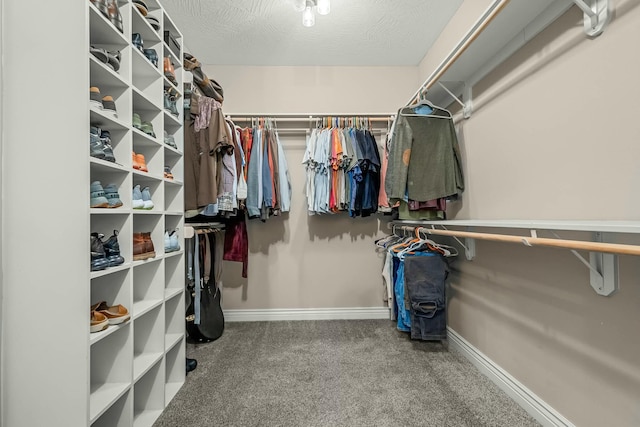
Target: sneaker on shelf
136,39
167,242
111,193
99,259
142,7
112,250
170,140
146,199
138,203
173,109
113,59
100,54
105,137
169,71
99,322
167,101
98,197
136,121
113,13
102,7
147,128
175,242
167,172
96,144
152,56
95,98
153,21
116,314
109,105
140,161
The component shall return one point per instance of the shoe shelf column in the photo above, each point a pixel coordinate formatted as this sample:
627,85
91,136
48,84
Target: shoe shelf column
138,366
111,350
175,357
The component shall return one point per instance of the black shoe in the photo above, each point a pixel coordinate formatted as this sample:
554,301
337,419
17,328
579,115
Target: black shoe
152,56
112,250
98,257
191,364
136,40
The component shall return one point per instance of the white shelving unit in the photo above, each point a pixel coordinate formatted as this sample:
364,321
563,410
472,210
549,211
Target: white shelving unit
136,368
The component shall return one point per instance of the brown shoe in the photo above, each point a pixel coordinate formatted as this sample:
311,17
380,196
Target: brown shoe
148,245
141,163
169,70
99,322
142,246
115,314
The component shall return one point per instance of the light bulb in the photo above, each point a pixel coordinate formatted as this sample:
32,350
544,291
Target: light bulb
324,7
299,5
308,17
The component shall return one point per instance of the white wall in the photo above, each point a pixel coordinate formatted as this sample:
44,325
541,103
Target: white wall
554,135
298,261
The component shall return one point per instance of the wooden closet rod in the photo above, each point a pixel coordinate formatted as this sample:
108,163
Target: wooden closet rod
612,248
302,118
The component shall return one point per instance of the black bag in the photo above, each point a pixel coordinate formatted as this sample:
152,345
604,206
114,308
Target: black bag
211,324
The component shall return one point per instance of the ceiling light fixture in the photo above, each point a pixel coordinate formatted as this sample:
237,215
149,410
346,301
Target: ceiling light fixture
309,8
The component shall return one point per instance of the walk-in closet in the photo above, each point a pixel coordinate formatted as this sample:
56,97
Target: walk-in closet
319,213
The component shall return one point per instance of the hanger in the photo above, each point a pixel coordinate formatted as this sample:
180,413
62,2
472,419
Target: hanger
423,101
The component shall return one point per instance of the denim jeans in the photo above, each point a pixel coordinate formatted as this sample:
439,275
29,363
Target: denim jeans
425,281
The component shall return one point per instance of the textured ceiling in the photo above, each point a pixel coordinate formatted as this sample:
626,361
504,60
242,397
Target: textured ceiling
270,32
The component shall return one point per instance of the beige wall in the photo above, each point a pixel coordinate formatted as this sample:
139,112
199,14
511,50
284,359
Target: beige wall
317,90
467,15
302,261
555,135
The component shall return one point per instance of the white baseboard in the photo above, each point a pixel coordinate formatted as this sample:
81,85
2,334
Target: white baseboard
535,406
354,313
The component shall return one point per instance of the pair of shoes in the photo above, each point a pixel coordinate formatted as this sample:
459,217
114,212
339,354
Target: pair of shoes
111,58
142,198
153,21
105,103
170,140
141,6
171,242
100,144
152,56
143,246
169,71
139,162
109,8
105,253
136,40
191,364
103,315
167,172
147,128
171,96
106,197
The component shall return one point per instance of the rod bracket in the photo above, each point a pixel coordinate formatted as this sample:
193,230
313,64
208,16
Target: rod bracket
604,272
596,15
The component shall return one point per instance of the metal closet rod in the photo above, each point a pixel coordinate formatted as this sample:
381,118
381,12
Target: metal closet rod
612,248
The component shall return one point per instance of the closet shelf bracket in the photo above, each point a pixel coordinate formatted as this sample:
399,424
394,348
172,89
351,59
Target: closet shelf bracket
467,105
603,268
596,15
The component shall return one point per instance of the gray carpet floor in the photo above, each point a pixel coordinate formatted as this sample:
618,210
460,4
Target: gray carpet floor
334,373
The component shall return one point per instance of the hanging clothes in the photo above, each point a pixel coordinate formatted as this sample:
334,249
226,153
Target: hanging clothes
268,180
342,171
424,163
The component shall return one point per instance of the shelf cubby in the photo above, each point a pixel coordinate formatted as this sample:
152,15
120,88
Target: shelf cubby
148,286
174,369
103,32
111,360
148,341
148,393
173,197
120,414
